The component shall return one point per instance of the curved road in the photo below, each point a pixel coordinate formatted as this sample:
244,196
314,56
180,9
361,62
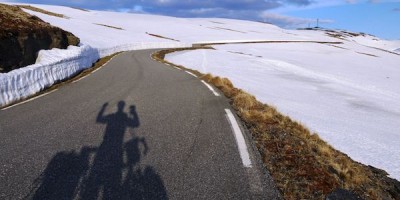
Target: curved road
135,129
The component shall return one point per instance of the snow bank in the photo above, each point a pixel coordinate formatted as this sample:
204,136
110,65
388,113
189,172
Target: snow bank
56,65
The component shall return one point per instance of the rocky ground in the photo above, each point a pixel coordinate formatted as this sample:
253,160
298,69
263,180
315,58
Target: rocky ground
23,35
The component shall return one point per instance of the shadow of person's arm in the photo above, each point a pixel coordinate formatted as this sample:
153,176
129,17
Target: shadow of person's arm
100,117
134,122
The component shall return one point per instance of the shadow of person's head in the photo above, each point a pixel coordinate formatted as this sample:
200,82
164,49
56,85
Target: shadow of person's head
121,106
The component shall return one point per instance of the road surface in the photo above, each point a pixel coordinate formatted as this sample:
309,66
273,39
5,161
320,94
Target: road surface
135,129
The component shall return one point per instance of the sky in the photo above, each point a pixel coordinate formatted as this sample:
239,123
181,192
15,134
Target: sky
376,17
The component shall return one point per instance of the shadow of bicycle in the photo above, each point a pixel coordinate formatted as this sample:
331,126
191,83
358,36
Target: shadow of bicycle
109,171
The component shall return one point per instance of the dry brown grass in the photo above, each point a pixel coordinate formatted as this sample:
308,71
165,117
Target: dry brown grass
14,20
42,11
108,26
78,75
302,165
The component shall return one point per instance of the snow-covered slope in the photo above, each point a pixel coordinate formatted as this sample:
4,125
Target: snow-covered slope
378,43
89,27
348,92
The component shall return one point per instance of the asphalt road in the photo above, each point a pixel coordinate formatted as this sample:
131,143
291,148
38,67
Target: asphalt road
135,129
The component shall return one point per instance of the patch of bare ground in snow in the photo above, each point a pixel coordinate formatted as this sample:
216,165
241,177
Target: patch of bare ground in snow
338,47
159,36
108,26
302,164
226,29
367,54
336,35
81,9
215,22
35,9
255,32
241,53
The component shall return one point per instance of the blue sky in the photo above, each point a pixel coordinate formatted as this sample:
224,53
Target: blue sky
377,17
381,19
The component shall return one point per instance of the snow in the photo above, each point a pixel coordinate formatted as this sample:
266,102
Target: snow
348,93
372,41
351,99
55,65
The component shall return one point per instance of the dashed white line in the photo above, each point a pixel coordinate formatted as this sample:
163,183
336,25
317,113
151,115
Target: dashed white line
178,68
191,73
211,88
244,153
31,99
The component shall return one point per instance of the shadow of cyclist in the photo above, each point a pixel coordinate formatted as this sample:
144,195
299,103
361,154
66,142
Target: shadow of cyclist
74,175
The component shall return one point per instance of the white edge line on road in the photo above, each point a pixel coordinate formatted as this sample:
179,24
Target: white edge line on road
211,88
31,99
191,73
164,63
99,68
244,153
79,79
104,64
